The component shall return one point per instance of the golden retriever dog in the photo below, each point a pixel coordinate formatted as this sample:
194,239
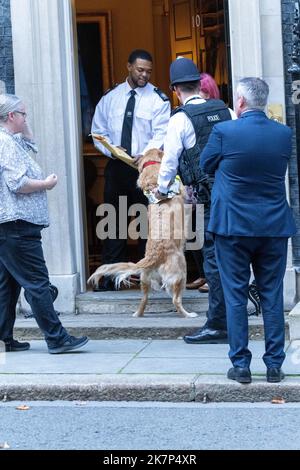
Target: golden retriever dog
164,263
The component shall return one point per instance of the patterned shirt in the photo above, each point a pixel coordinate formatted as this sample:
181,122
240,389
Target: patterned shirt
16,167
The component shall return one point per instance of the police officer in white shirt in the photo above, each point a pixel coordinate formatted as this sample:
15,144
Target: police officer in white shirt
133,115
180,135
187,134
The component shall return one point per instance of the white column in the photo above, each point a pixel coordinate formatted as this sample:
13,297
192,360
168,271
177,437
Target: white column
272,50
245,39
45,65
256,44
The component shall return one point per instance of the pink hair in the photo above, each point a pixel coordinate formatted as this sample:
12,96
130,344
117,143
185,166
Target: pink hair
209,86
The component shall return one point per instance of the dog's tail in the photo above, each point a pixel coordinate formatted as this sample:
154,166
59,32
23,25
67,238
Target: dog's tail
121,271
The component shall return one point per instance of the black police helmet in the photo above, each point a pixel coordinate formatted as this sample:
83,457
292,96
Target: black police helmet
183,70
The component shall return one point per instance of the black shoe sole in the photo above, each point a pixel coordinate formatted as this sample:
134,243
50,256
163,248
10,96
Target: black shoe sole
65,349
274,380
242,380
207,341
17,349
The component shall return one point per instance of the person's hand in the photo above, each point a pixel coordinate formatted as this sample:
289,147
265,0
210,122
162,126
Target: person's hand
51,181
160,196
136,159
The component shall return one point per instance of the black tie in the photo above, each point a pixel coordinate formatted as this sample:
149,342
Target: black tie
127,123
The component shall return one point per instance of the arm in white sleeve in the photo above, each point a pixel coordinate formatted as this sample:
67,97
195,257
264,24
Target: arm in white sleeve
173,147
99,125
159,126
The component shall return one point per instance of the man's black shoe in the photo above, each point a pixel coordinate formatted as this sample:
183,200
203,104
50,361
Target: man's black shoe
207,336
253,296
106,284
240,374
70,344
14,346
274,375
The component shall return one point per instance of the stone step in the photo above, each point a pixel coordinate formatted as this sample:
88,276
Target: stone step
127,301
108,315
153,325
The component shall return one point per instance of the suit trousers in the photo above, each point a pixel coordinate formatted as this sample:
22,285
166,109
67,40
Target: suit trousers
121,180
268,258
22,264
216,314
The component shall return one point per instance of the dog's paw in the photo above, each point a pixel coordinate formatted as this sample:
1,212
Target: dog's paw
137,314
192,314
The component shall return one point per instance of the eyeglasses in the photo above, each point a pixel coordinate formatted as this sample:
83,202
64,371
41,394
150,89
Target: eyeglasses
21,112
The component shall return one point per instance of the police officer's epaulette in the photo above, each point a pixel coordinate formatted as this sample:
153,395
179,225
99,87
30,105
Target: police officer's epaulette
111,89
161,94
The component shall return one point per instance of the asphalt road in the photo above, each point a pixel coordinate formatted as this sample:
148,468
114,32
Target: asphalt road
120,425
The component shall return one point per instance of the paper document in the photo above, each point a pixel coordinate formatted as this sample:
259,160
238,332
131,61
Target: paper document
116,152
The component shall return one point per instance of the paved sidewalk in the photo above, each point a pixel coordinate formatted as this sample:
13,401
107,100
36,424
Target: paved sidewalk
159,370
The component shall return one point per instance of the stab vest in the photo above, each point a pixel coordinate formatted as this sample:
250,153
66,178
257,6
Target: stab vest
203,117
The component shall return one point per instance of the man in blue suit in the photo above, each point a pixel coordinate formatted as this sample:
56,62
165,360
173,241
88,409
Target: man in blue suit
251,221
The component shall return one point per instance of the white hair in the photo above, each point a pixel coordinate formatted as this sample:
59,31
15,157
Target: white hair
8,104
255,91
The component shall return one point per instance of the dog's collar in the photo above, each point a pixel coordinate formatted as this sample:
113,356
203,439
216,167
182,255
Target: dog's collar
149,163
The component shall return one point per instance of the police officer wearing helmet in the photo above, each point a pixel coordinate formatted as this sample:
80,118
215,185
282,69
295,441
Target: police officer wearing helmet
187,133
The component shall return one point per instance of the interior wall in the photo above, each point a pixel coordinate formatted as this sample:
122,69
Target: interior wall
162,44
132,28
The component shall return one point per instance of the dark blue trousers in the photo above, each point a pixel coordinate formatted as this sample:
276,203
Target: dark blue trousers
22,264
268,258
216,314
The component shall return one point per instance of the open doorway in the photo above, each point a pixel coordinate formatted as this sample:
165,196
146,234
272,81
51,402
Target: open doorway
107,31
199,30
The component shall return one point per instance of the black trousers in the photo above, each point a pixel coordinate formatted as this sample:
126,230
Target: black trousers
22,264
216,314
121,180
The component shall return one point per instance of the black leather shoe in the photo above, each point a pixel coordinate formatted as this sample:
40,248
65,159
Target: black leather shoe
69,344
104,285
253,296
274,375
207,336
240,374
14,346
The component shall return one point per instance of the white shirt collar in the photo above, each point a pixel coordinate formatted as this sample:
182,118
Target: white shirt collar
138,90
193,97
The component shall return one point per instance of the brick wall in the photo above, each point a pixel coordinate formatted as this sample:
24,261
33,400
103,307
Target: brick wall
6,53
288,9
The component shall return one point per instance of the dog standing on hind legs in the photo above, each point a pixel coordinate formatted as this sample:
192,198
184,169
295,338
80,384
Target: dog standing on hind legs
164,264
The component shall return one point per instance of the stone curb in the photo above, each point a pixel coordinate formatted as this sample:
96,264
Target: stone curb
205,389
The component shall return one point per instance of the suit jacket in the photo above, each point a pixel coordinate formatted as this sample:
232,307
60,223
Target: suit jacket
249,157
